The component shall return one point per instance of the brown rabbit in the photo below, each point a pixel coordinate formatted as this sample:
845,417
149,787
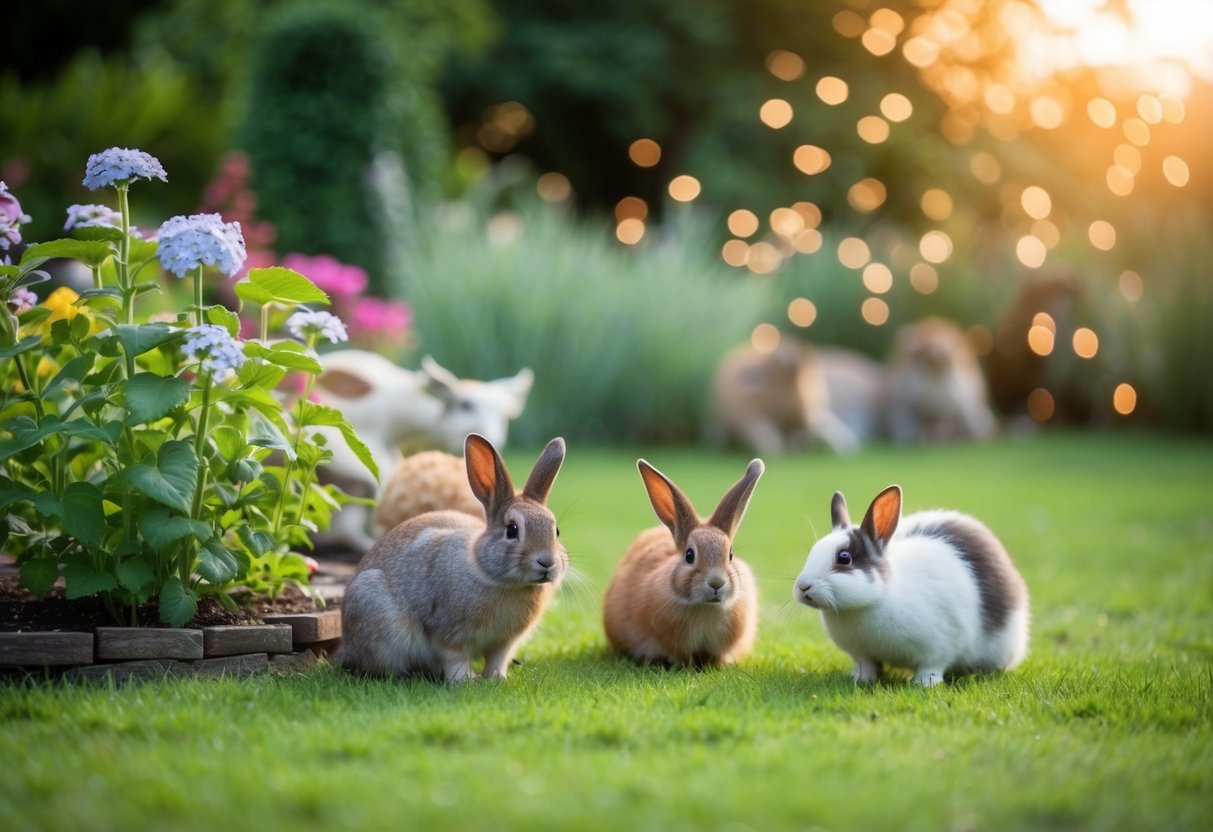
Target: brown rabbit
440,591
679,595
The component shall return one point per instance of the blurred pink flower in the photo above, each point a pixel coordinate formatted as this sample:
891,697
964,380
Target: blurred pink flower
380,318
338,279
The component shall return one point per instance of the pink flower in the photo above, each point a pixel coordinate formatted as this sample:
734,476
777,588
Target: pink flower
11,218
338,279
380,318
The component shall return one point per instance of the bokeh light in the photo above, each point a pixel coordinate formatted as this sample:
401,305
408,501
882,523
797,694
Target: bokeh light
1175,170
684,188
1120,180
1040,339
644,153
765,338
1124,399
775,113
763,258
849,24
554,187
985,168
630,231
896,107
924,278
935,247
1036,202
1137,131
809,212
808,241
786,222
742,223
1040,405
1102,112
735,252
937,204
872,129
854,253
1086,342
878,41
877,278
631,208
1131,286
1031,251
785,65
810,159
875,311
802,312
1102,235
832,90
1047,233
867,195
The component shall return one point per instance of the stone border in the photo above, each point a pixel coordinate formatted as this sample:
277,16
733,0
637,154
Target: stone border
284,644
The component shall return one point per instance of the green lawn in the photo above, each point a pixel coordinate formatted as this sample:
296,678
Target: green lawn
1106,726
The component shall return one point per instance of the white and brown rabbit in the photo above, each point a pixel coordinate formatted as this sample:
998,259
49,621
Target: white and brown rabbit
935,592
679,595
443,589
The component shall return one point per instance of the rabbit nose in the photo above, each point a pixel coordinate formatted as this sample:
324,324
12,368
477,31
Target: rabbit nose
715,582
546,561
803,587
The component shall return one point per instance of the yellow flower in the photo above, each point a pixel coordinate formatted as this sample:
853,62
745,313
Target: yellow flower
62,303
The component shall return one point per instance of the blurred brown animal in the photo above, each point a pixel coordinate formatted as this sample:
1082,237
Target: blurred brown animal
934,391
776,401
421,482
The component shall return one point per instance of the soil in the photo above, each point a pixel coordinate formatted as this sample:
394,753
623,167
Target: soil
20,611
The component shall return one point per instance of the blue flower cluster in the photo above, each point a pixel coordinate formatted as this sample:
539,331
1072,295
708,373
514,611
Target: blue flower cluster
119,165
218,351
326,325
186,243
91,216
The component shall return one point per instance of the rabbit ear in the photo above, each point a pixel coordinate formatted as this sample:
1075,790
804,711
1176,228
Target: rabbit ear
731,509
883,515
544,471
669,503
487,475
839,516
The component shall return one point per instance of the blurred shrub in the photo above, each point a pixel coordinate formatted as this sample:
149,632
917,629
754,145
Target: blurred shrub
316,120
97,103
623,342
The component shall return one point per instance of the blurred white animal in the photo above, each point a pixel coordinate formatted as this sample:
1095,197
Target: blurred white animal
935,391
390,407
777,401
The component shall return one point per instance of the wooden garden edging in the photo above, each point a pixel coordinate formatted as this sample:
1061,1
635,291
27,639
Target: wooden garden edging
284,644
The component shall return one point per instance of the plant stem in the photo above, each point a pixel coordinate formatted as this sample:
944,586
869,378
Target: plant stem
185,568
124,256
290,466
198,297
96,277
265,322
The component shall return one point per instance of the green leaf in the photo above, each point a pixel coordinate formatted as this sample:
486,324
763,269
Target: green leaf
252,294
149,397
265,434
14,494
83,515
174,479
178,606
74,370
283,356
229,441
257,542
136,339
27,433
254,375
282,285
24,345
161,529
216,564
38,575
84,429
108,292
82,580
224,317
318,414
135,574
143,250
104,233
245,470
89,252
8,271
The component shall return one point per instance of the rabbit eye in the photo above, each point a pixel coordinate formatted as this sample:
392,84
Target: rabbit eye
558,531
511,531
690,555
730,554
843,558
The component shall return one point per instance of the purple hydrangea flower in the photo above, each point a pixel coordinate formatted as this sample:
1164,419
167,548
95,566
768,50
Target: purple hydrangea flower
90,216
11,218
218,351
121,164
306,323
22,300
201,240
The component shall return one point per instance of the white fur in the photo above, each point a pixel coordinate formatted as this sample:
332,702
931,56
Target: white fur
427,408
923,614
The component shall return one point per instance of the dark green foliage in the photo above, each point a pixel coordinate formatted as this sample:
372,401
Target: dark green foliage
317,118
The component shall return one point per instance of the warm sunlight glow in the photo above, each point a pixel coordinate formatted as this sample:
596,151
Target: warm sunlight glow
937,204
631,208
734,252
872,129
765,338
810,159
1176,171
630,231
1040,405
763,258
867,195
935,246
809,212
1131,286
802,312
875,311
896,107
808,241
786,222
1102,235
1102,112
832,90
742,223
644,153
877,278
554,187
1124,399
854,253
684,188
1040,340
784,65
775,113
1036,202
924,279
1031,251
1086,342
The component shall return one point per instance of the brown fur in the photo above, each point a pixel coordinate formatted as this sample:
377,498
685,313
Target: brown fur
935,391
442,590
423,482
657,608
